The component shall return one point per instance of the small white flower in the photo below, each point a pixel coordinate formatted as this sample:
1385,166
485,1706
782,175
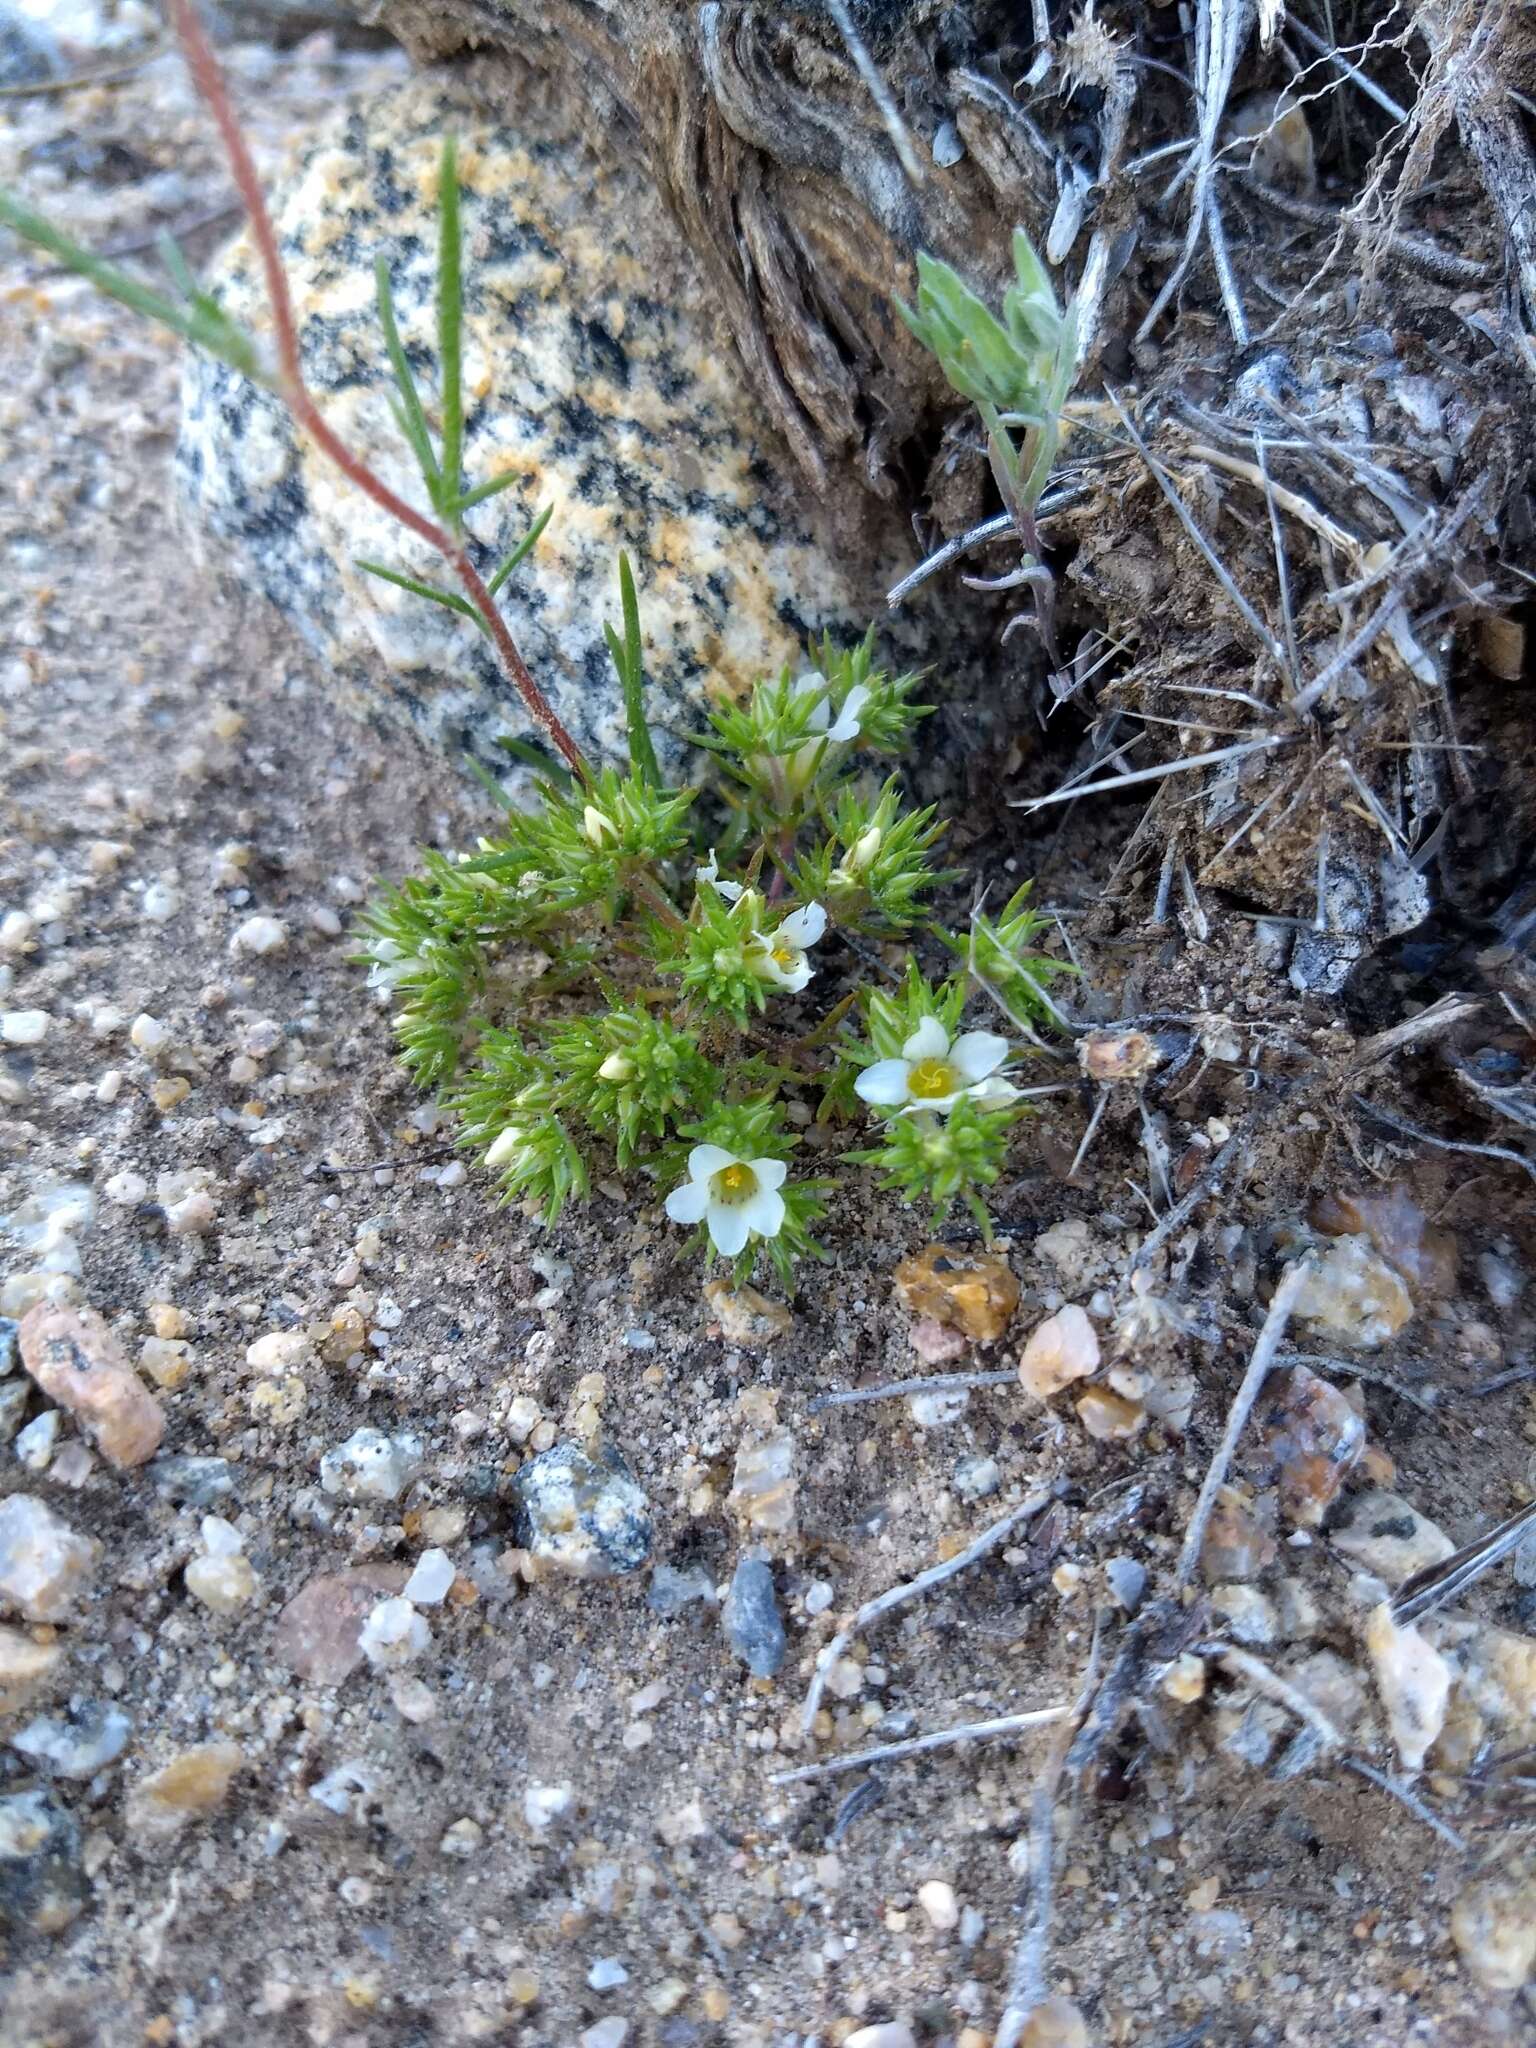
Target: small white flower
391,964
598,827
710,872
734,1198
504,1147
846,727
933,1074
780,956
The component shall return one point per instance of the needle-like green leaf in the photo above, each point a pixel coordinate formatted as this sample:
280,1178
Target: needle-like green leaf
434,591
450,330
413,421
521,552
629,661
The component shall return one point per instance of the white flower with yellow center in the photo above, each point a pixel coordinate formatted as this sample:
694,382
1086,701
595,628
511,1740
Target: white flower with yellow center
733,1198
934,1074
780,956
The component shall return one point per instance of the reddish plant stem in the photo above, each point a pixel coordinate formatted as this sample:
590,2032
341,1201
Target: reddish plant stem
209,81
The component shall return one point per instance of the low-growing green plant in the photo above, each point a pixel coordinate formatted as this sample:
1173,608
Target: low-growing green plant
610,981
1018,371
619,977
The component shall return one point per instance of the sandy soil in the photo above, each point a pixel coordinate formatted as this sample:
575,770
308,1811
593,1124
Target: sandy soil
173,766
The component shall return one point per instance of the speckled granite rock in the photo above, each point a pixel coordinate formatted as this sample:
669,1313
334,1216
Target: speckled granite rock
593,368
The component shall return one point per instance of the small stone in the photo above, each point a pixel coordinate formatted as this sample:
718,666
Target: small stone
1493,1925
934,1344
1316,1438
1385,1535
1118,1054
259,935
43,1562
10,1345
429,1582
1056,2023
1333,1686
671,1590
24,1665
318,1632
607,1974
14,1396
889,2034
412,1699
77,1361
974,1292
42,1887
462,1840
609,2033
977,1477
24,1027
938,1408
745,1316
1237,1545
222,1578
190,1785
1414,1682
1248,1616
34,1444
92,1735
1065,1347
762,1492
1108,1417
1184,1680
394,1634
585,1516
938,1901
371,1466
280,1351
199,1482
751,1618
167,1360
1397,1227
1353,1297
1127,1581
546,1805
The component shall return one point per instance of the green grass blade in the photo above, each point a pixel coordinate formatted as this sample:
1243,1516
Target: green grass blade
629,661
432,591
491,488
450,327
412,419
522,551
534,757
203,323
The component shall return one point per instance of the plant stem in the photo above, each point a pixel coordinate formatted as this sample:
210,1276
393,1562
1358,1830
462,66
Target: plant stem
209,82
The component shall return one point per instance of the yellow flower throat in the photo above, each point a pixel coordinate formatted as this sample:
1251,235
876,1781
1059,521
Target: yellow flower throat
930,1079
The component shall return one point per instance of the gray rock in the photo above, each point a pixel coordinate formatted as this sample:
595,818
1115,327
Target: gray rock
977,1477
671,1590
79,1744
371,1465
198,1482
585,1516
751,1619
13,1405
10,1345
593,372
28,53
1127,1580
1387,1536
42,1887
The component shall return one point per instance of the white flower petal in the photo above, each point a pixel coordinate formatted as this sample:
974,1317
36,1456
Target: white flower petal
688,1203
803,927
705,1160
728,1227
847,726
885,1084
977,1053
941,1105
793,979
930,1041
770,1172
764,1213
993,1093
710,871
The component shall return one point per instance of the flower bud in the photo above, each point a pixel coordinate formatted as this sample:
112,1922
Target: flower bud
860,856
505,1148
598,826
617,1067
